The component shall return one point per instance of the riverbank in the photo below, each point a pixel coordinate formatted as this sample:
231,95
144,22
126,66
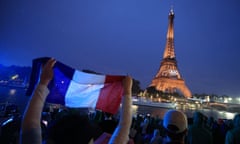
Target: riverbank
18,97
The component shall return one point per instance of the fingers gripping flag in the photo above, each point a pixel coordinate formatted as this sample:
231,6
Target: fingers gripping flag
78,89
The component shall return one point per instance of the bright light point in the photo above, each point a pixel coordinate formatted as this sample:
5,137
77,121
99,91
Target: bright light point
229,115
12,91
15,77
89,85
62,82
45,122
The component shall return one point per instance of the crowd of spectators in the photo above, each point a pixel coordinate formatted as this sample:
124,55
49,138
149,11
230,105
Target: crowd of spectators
201,129
145,129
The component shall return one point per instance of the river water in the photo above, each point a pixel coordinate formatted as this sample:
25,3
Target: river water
17,96
154,111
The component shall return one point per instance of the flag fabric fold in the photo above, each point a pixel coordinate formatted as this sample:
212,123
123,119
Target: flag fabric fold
78,89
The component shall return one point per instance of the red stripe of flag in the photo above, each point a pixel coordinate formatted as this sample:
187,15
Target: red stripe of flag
111,94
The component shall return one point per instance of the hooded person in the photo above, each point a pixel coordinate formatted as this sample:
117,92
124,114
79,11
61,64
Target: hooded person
232,136
197,133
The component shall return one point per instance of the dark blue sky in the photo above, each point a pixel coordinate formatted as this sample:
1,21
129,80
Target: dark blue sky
128,37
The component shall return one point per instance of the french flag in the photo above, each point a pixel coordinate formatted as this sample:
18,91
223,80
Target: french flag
78,89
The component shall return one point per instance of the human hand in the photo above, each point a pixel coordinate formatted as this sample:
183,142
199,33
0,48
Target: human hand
47,72
127,85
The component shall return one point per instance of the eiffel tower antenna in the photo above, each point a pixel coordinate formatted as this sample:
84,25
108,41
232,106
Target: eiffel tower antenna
168,78
171,11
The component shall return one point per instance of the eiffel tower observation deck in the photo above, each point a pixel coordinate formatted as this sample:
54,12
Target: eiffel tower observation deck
168,78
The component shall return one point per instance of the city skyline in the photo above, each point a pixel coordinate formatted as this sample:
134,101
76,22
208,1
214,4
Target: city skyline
128,37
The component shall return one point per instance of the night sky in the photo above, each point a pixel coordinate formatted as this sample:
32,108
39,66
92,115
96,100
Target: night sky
128,37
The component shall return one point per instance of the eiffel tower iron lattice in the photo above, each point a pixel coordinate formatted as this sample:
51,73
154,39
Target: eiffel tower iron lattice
168,78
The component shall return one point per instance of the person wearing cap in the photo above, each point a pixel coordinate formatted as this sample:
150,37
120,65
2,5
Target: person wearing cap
176,126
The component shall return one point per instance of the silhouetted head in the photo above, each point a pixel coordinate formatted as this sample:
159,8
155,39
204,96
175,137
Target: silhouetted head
198,118
70,129
236,120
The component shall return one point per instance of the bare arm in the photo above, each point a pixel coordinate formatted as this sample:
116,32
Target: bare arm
32,115
120,135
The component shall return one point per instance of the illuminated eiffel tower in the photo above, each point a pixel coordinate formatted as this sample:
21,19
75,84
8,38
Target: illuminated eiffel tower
168,78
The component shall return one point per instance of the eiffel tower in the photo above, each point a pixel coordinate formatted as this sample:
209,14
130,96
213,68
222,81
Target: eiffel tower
168,78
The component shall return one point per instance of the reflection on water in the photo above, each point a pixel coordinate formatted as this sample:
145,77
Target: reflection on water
17,96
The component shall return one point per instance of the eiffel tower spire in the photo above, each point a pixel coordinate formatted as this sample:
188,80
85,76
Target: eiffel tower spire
169,49
168,78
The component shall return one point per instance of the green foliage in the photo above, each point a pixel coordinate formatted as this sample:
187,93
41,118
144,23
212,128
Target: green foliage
136,89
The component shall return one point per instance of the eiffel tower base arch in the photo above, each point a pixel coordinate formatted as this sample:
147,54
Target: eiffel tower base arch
171,85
